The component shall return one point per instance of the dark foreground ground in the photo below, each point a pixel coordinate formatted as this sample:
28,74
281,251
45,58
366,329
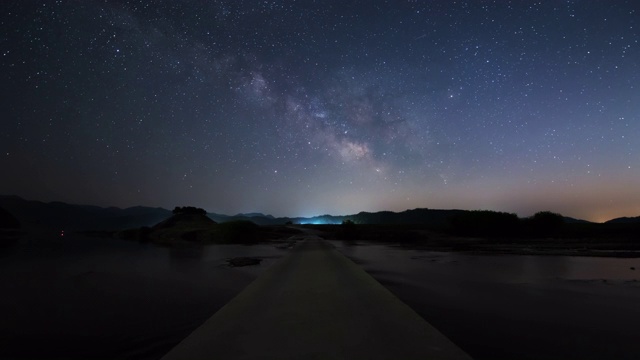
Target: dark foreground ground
86,297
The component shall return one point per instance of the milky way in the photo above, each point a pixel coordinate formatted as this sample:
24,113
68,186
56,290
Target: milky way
303,108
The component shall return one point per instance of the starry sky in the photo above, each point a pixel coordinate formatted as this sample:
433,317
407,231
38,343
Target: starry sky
300,108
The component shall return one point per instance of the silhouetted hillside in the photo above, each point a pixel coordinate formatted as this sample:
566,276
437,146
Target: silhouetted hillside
256,218
184,220
188,224
429,217
485,223
436,218
570,220
7,220
254,214
58,215
191,224
624,220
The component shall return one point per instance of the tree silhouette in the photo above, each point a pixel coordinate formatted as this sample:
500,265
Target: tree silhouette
545,223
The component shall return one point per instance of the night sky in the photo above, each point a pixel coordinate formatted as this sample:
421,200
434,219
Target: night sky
300,108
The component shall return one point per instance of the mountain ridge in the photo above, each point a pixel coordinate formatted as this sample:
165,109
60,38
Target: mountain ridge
61,215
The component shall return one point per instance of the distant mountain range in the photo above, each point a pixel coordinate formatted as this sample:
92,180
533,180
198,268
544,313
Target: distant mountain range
624,220
417,216
63,216
59,215
570,220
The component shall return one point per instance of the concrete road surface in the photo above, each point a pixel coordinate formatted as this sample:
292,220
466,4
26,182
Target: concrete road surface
315,304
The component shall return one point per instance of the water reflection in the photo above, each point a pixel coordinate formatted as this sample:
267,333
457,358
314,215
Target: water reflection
179,254
9,241
516,307
106,298
535,270
504,268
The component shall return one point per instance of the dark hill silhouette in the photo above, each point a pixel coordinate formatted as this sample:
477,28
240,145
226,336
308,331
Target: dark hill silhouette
7,220
254,214
429,217
191,224
624,220
59,215
189,210
186,224
256,218
570,220
185,220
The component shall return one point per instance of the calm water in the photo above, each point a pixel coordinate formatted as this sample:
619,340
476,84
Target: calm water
87,297
516,307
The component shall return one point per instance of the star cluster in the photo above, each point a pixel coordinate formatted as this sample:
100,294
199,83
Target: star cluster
309,107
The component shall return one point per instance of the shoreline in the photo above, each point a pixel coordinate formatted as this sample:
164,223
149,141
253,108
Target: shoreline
406,238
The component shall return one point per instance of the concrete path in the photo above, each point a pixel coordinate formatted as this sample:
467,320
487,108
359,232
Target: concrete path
315,304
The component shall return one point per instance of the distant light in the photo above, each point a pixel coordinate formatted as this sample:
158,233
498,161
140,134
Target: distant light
319,222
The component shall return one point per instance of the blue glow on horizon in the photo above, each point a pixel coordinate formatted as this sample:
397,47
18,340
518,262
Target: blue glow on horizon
319,222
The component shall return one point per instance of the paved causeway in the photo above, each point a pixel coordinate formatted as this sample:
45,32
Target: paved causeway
315,304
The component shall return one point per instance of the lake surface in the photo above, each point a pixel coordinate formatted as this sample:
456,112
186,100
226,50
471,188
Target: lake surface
77,297
513,306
